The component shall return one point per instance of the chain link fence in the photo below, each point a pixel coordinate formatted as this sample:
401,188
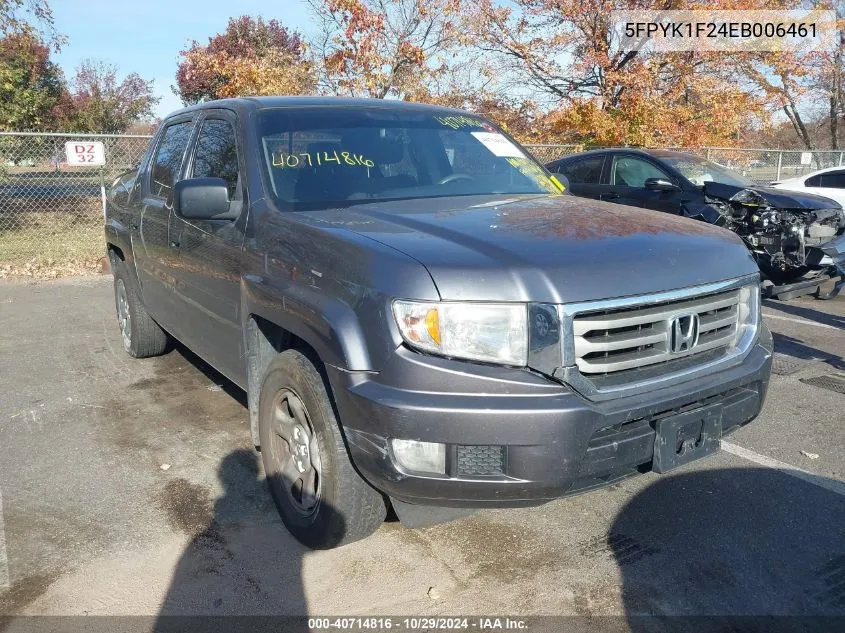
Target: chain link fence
51,213
546,153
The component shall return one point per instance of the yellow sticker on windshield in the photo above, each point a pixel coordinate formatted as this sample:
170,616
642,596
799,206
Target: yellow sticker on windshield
557,183
317,159
536,173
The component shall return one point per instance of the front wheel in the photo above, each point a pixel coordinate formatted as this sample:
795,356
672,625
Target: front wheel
322,500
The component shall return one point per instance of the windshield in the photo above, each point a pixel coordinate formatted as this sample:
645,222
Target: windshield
335,156
698,171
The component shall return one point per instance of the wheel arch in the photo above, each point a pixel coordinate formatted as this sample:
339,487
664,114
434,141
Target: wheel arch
264,341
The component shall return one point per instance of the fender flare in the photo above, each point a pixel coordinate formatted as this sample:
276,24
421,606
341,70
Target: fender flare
327,325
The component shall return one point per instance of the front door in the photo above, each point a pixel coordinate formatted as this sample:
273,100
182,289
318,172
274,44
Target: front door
208,286
628,175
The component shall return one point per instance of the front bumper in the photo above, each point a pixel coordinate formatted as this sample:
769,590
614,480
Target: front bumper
552,441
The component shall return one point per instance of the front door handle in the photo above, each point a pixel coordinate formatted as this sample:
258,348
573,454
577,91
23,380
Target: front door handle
612,195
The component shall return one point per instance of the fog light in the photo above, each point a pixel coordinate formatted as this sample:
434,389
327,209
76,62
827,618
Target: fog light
425,457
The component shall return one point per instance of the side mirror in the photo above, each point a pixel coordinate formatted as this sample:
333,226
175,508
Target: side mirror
203,199
660,184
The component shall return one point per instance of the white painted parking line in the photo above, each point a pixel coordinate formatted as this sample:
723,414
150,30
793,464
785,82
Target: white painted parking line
4,560
787,469
766,315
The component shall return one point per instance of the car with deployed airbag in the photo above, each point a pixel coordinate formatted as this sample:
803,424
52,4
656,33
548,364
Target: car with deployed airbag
419,315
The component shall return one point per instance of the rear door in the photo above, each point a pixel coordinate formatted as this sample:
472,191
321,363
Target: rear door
154,258
584,175
209,252
627,176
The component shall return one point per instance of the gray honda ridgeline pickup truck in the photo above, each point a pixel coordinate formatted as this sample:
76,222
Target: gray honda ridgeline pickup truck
421,316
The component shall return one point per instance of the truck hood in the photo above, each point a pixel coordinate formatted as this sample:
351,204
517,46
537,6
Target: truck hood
553,249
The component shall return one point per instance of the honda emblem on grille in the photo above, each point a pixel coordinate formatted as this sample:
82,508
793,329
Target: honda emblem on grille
683,329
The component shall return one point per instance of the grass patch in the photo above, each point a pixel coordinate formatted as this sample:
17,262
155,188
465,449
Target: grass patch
47,254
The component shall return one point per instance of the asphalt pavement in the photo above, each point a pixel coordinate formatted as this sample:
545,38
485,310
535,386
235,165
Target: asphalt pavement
131,487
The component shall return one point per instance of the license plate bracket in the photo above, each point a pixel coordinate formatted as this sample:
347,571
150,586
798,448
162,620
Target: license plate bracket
685,437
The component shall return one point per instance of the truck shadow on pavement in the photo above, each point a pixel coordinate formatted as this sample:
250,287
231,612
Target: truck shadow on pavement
241,562
232,390
732,542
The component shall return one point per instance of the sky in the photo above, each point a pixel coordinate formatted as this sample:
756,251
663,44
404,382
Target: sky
146,37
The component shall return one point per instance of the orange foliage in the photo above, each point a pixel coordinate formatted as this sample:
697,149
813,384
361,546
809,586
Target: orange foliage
251,57
565,53
383,48
273,74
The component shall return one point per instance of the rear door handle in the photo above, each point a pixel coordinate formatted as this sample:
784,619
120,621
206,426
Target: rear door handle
612,195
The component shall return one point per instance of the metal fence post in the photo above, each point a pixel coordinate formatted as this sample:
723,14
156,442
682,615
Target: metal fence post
780,163
840,158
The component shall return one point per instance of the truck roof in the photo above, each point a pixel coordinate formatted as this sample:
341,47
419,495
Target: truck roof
248,104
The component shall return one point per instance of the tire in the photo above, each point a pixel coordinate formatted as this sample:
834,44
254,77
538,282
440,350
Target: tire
142,336
322,500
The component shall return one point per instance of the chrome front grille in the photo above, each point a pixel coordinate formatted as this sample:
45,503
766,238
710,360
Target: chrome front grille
633,337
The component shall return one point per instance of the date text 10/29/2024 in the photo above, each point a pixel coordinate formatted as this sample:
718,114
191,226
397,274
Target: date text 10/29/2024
417,624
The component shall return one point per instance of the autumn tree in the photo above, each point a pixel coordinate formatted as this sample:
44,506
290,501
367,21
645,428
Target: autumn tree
31,85
251,57
384,48
102,102
29,17
566,55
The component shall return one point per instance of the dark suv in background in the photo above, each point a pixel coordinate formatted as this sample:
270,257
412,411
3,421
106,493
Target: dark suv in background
417,315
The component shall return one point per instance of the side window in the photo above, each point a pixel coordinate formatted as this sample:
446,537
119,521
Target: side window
833,180
815,181
168,159
216,155
585,171
633,172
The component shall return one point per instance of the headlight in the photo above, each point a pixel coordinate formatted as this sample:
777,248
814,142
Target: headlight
749,312
493,333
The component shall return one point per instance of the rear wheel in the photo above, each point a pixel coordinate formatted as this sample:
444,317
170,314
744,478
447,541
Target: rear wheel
142,336
322,500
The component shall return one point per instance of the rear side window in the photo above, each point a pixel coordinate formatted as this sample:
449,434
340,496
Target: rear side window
813,182
168,158
121,188
586,171
833,180
216,155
